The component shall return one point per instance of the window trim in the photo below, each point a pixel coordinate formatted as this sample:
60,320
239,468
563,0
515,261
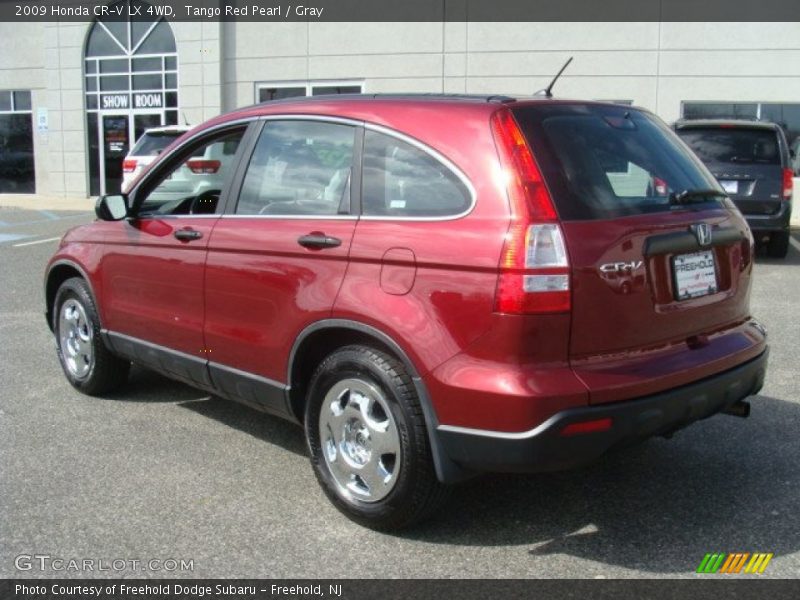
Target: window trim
230,183
308,84
14,110
355,184
442,159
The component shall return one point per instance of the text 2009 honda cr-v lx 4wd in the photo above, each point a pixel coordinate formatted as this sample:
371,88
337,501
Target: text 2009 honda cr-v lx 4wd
433,286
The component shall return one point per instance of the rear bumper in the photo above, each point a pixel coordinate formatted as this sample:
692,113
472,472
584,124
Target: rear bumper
777,222
545,448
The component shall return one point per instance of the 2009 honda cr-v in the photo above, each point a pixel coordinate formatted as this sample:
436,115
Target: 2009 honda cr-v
433,286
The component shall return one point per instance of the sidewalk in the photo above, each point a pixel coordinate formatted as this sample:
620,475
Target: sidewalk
42,202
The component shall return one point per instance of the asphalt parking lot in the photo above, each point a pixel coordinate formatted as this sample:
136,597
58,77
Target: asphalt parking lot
162,471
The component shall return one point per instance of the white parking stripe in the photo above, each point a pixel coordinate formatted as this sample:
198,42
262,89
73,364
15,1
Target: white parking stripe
794,243
36,242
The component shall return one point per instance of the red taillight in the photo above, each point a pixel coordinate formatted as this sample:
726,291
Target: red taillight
587,427
534,269
200,166
788,184
129,165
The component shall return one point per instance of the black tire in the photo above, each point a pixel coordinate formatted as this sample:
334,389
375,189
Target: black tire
778,246
104,371
416,492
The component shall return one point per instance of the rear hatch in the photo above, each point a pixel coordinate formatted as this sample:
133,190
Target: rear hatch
660,289
745,159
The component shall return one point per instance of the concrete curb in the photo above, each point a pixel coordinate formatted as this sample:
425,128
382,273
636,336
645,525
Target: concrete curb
43,202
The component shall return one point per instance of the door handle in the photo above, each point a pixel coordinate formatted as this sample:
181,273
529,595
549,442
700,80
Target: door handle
318,240
186,235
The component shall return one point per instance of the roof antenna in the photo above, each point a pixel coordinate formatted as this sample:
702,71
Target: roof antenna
548,91
186,121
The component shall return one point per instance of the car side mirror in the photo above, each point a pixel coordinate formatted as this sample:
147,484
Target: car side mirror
792,153
111,208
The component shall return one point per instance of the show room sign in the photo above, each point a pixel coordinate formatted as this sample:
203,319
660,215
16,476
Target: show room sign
111,101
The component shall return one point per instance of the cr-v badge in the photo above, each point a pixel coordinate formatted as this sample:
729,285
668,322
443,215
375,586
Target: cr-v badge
620,267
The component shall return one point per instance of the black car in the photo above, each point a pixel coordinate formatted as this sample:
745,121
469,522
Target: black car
752,162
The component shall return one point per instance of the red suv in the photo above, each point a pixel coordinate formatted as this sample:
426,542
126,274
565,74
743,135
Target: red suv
433,286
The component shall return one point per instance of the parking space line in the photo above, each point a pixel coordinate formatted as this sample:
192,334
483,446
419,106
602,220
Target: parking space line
794,243
53,239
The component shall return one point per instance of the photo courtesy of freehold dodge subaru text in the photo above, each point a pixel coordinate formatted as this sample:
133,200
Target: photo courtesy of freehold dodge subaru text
434,287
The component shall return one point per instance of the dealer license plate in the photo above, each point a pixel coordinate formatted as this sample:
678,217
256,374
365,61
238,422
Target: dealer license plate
695,275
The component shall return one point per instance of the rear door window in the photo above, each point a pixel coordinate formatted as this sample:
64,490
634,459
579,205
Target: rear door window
733,145
604,161
299,168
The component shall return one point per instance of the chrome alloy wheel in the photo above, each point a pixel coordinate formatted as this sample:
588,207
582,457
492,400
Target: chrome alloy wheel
360,440
75,338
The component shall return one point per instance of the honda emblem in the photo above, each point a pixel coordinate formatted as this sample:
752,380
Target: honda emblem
702,231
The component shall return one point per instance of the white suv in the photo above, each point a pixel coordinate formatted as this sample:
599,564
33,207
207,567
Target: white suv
149,145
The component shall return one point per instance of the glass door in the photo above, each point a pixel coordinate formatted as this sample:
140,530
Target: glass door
115,136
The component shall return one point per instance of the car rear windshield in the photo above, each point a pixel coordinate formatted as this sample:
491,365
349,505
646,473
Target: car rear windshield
602,161
153,142
733,145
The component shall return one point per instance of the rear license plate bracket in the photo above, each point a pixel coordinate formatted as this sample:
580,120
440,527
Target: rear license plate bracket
694,275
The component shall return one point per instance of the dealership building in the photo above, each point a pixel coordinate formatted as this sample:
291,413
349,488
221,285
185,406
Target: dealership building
75,96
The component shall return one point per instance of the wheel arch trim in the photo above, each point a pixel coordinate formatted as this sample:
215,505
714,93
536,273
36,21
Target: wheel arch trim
447,471
65,262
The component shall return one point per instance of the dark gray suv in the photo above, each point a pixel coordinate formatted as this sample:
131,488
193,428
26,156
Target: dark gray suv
752,162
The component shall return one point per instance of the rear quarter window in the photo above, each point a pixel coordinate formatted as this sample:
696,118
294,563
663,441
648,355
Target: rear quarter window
602,161
402,180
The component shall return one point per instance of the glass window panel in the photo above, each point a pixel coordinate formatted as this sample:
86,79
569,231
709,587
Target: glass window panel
171,117
791,119
193,182
16,154
138,29
91,84
277,93
335,89
147,82
91,66
172,99
91,101
119,29
147,64
400,180
171,81
720,110
116,65
5,100
114,83
299,168
100,44
92,145
171,63
159,41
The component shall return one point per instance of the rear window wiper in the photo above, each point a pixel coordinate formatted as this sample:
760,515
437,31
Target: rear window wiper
692,196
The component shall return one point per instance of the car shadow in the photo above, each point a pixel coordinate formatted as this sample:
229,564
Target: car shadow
792,258
722,485
265,427
145,385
